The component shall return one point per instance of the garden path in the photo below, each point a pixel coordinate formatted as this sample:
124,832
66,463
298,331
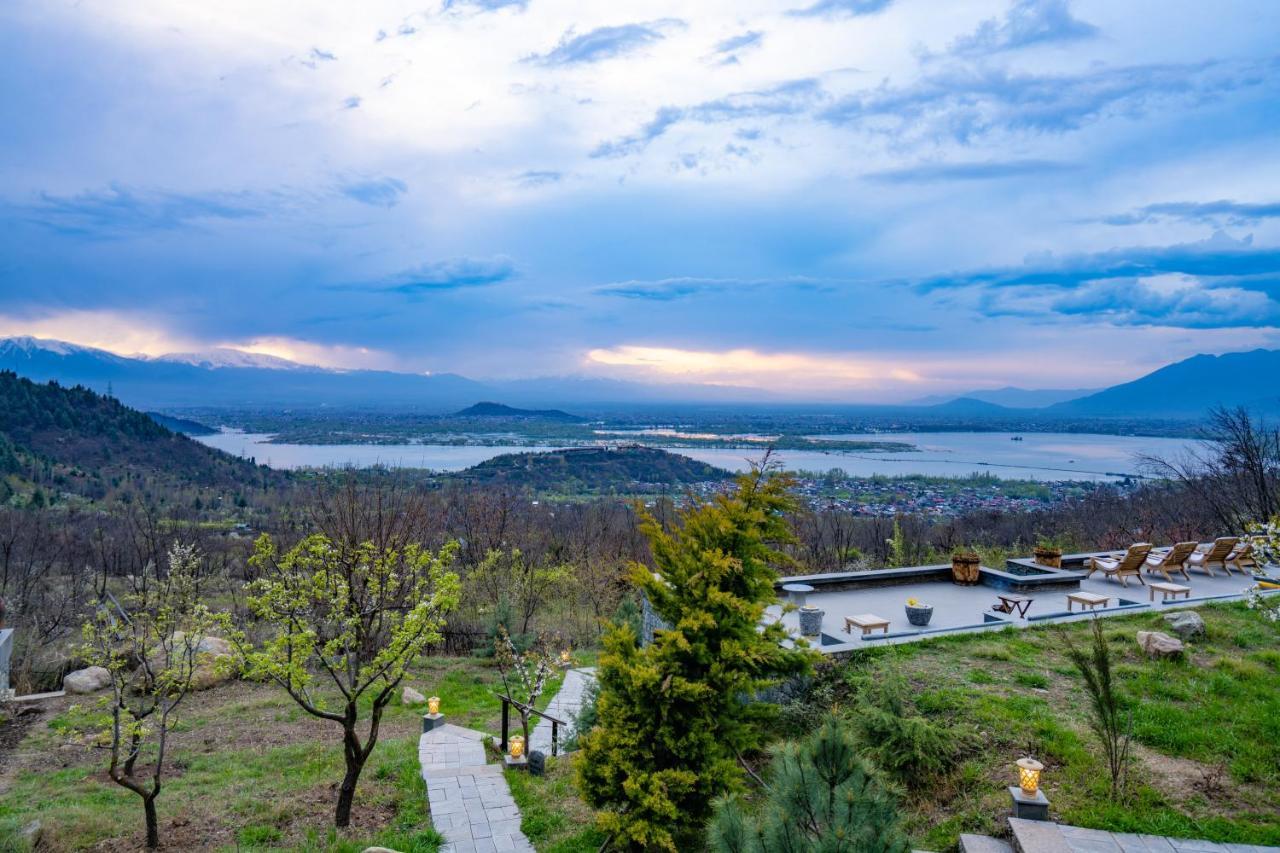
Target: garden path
471,805
564,706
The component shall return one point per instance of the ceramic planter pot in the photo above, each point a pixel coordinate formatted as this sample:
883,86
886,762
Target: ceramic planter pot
919,614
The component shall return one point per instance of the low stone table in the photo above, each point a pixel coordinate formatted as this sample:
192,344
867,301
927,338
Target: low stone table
868,622
1168,591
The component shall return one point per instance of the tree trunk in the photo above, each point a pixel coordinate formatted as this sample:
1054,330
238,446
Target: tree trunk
347,793
355,758
153,824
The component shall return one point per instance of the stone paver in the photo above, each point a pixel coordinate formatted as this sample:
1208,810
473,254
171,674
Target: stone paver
1100,841
471,805
564,706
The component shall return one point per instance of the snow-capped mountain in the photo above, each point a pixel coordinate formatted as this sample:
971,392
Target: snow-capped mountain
227,357
230,378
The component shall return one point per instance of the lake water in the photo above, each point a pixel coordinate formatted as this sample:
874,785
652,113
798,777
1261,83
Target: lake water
1038,456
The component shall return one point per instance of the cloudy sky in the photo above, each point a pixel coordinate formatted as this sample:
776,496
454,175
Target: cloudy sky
831,199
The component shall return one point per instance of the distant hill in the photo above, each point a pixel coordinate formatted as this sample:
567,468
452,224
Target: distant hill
85,443
630,468
1189,388
969,406
1010,397
498,410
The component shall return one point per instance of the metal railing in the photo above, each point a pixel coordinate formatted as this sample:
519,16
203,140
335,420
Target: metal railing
508,702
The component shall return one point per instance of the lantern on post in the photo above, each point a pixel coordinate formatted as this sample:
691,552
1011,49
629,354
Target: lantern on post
1029,775
517,746
433,719
1029,802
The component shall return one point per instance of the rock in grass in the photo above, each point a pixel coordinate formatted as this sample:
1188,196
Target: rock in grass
33,833
409,696
379,850
1187,624
88,680
1157,644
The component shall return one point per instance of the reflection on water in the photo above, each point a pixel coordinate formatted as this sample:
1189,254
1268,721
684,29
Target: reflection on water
1038,456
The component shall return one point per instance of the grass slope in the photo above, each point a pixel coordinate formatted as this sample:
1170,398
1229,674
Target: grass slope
249,770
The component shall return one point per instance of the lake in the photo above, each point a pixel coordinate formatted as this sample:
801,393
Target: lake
1038,456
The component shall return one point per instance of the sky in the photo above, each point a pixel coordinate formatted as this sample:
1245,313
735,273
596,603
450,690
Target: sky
852,200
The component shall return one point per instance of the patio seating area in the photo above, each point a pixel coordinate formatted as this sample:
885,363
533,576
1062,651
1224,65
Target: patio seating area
858,608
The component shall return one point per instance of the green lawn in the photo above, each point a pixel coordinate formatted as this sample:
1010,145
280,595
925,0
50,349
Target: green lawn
1207,729
248,770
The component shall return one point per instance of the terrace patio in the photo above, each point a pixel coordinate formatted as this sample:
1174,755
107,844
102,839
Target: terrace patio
884,593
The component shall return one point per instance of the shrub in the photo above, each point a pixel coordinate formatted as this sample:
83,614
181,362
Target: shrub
822,797
907,746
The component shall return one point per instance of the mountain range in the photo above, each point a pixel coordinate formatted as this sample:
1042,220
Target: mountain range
230,378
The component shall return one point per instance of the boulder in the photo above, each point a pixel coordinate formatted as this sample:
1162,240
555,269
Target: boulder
88,680
409,696
1159,645
215,661
1187,624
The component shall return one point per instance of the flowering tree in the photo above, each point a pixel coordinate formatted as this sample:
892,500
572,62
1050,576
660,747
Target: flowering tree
1265,537
352,616
153,658
524,674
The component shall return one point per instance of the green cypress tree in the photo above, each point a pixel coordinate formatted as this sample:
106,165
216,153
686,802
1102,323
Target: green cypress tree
674,716
823,798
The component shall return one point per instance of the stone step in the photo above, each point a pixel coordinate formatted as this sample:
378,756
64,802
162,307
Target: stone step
983,844
1037,836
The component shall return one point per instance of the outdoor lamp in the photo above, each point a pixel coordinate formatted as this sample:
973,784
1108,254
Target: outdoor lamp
1029,775
517,746
433,705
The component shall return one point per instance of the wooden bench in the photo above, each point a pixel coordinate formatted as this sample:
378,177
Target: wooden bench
868,622
1169,590
1089,600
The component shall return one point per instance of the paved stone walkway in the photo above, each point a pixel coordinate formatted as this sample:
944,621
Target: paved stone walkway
471,805
1099,841
564,706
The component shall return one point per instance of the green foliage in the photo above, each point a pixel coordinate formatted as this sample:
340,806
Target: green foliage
822,797
899,552
908,746
1107,717
675,715
354,613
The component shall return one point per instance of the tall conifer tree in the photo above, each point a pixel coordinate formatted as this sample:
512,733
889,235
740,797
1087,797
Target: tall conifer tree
675,716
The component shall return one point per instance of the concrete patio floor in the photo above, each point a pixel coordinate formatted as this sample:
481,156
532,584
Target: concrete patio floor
964,608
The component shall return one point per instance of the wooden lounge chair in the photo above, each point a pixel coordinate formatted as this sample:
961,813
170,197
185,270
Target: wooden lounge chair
1126,566
1171,559
1242,558
1218,553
